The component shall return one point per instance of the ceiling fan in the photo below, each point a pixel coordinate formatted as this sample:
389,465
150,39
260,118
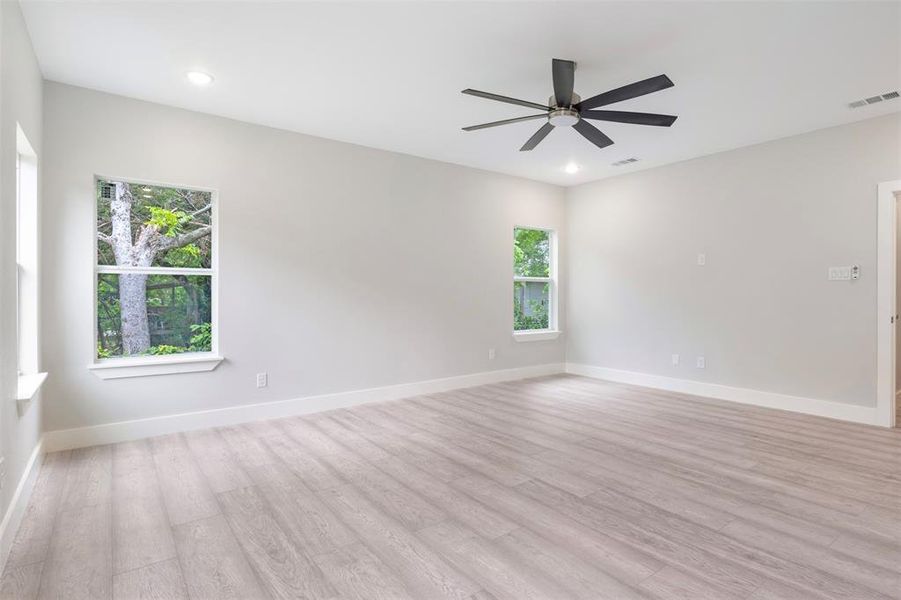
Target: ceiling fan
566,108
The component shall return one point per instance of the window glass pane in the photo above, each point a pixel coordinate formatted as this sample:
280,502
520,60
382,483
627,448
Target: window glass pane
530,305
531,253
139,314
146,225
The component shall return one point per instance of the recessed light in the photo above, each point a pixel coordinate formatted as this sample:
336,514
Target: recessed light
571,168
200,78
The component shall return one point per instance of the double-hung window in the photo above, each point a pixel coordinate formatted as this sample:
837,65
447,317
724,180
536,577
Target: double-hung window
29,377
155,278
534,283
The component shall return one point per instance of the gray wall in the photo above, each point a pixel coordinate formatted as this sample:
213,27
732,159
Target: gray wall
341,267
770,218
20,102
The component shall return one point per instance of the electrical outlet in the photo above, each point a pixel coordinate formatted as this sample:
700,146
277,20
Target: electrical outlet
702,362
675,360
702,259
491,354
262,380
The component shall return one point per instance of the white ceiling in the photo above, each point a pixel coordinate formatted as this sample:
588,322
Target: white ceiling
389,75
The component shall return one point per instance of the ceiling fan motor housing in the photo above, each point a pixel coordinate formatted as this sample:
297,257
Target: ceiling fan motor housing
563,116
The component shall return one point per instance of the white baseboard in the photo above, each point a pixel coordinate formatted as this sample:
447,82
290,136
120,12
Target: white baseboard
111,433
19,502
810,406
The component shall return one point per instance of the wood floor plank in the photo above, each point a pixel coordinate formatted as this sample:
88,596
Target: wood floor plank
422,570
185,492
22,582
582,578
141,533
79,566
88,478
33,538
357,574
300,512
470,512
213,565
216,460
159,581
283,567
625,562
501,574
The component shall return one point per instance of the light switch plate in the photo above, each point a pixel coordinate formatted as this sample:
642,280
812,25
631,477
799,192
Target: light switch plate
840,273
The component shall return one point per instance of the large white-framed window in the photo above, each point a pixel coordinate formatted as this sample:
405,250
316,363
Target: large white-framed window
534,284
155,278
30,378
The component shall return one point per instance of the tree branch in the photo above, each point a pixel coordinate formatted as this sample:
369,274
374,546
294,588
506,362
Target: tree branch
107,239
167,243
201,210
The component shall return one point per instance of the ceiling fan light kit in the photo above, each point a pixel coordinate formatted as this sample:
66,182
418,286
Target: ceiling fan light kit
567,109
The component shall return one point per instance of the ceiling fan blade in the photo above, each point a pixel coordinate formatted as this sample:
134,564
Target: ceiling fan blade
537,137
563,72
633,90
504,122
592,134
506,99
635,118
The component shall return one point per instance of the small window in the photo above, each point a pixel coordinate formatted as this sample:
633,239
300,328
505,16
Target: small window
534,286
26,256
155,270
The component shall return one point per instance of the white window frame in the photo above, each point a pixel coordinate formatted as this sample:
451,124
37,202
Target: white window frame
186,362
552,332
30,377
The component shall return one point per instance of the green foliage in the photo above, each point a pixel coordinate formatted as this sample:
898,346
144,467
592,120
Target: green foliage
102,352
186,256
169,222
165,349
202,340
531,253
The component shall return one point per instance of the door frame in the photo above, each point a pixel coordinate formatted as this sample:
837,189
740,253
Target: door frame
886,254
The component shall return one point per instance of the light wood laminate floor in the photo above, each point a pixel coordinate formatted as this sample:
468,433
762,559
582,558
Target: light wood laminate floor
557,487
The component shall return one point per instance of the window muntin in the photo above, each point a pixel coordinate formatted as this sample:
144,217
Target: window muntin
155,270
533,279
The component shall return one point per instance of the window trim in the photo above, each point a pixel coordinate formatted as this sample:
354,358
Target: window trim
139,366
552,331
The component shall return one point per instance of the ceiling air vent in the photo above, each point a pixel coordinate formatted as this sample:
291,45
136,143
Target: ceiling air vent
625,161
874,99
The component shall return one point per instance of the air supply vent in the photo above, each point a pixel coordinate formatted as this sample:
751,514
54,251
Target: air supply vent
874,99
625,161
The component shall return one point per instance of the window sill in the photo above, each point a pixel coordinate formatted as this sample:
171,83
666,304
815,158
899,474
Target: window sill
29,385
27,388
144,366
538,335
